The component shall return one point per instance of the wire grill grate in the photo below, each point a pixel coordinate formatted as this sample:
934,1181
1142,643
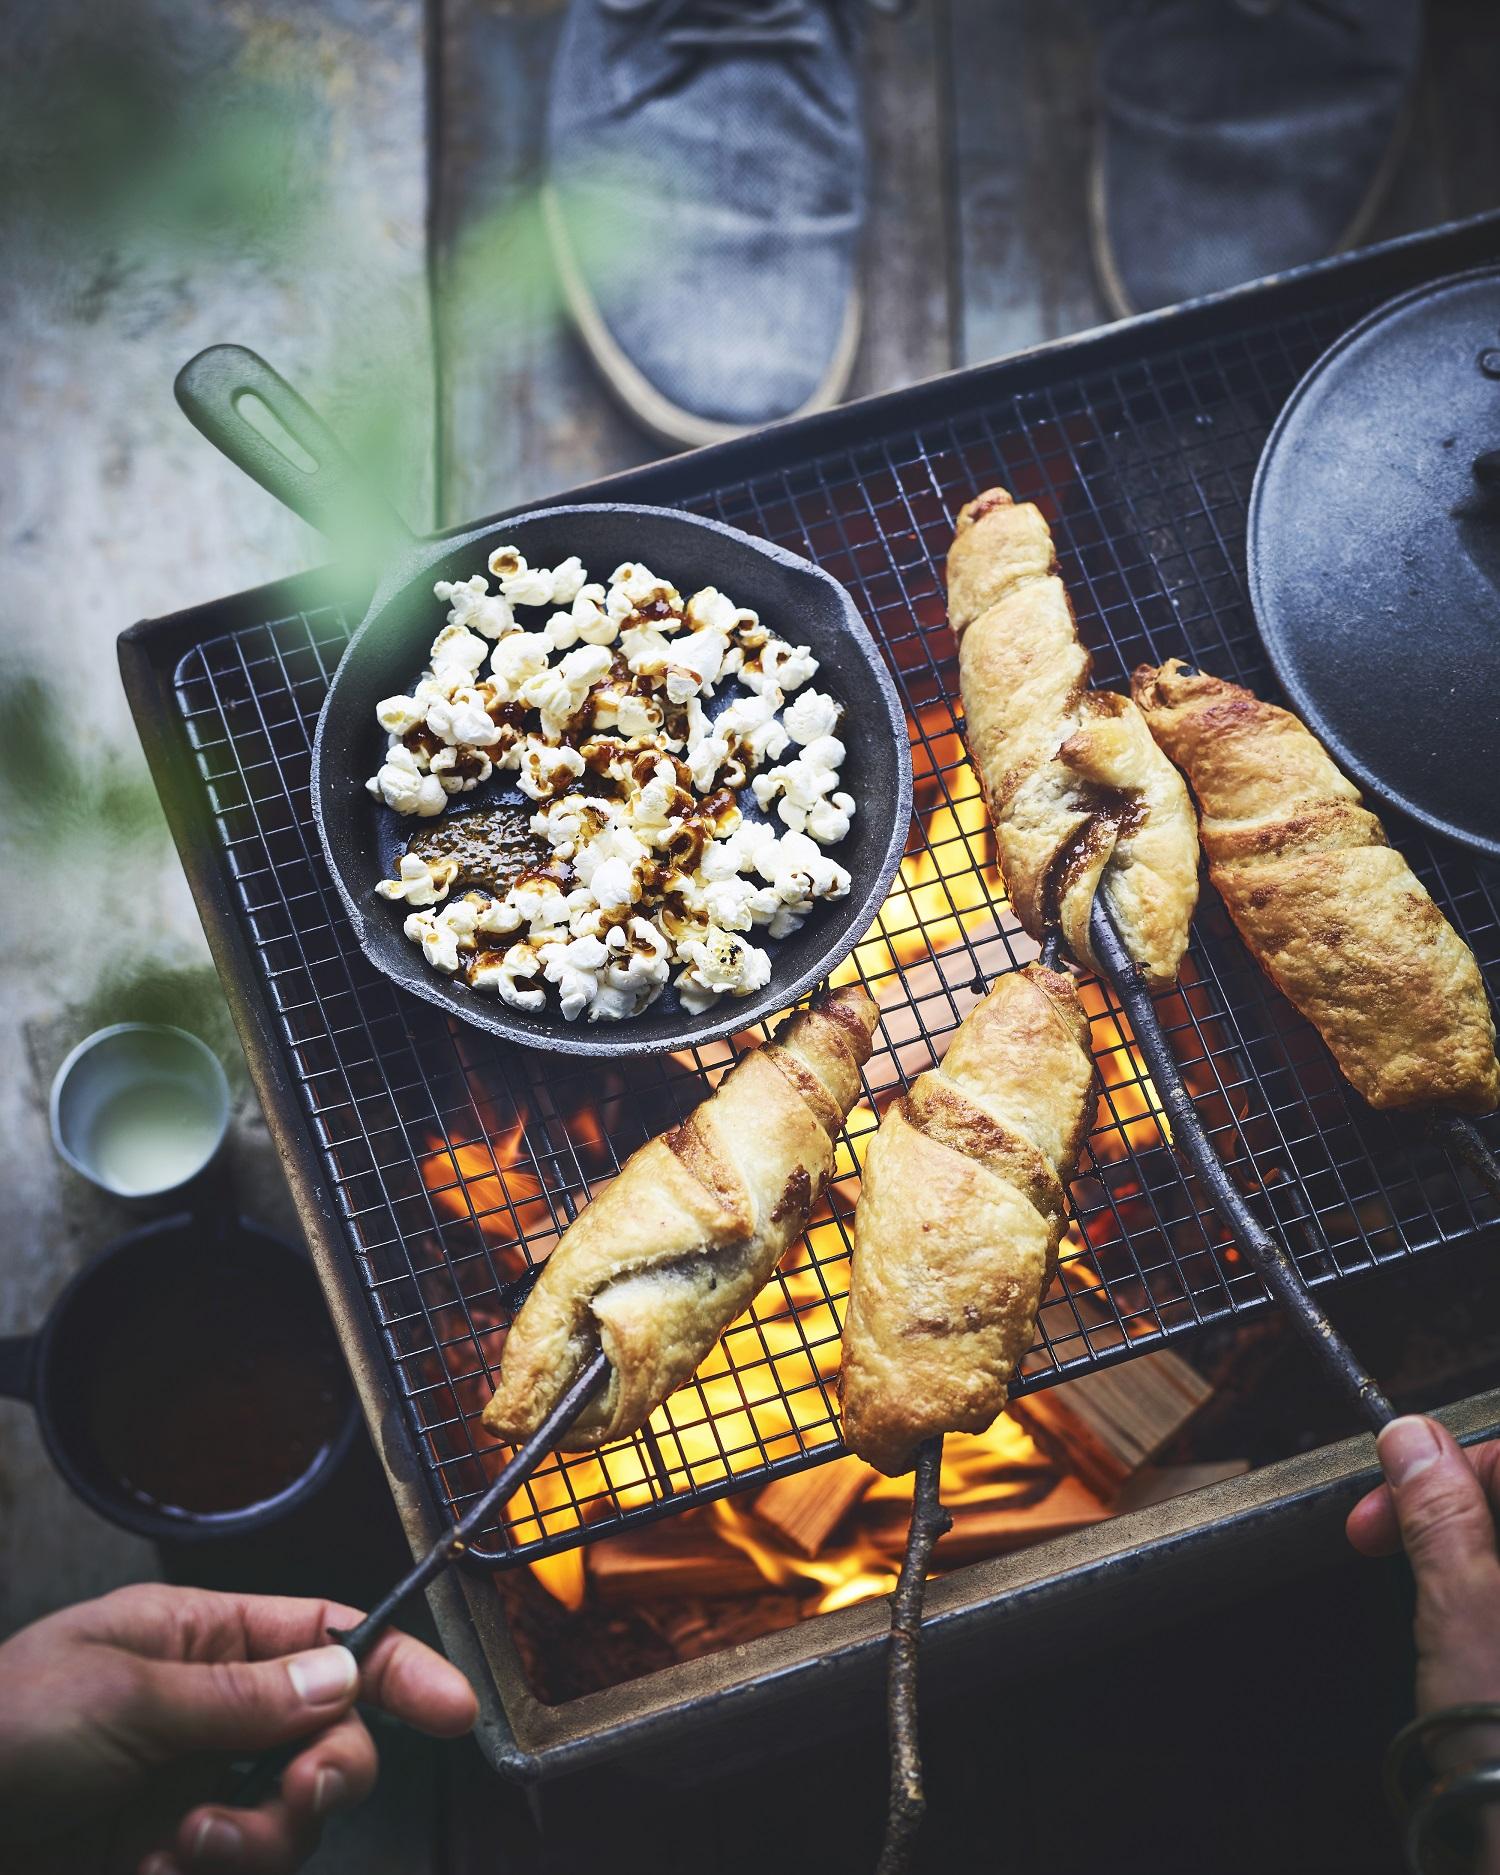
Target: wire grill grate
457,1161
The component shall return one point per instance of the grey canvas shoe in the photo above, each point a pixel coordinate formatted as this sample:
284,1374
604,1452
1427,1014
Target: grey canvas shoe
704,201
1240,137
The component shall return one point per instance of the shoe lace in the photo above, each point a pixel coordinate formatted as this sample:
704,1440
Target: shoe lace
705,27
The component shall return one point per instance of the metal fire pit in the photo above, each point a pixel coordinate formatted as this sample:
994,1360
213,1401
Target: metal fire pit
433,1166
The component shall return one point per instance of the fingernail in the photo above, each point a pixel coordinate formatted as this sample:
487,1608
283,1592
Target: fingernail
1407,1447
323,1676
218,1839
328,1790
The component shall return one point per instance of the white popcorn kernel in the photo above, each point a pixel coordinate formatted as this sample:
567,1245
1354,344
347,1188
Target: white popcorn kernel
508,974
647,652
812,716
709,610
637,716
456,648
516,659
461,770
782,668
830,820
545,770
507,562
568,580
721,963
473,607
419,881
560,631
752,723
399,715
403,786
613,885
558,693
446,931
695,664
574,967
463,719
527,585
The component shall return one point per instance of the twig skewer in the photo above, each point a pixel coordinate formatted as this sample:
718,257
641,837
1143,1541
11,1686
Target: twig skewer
1263,1252
1463,1137
908,1801
449,1548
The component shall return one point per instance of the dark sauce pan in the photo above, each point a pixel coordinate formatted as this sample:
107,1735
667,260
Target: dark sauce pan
796,600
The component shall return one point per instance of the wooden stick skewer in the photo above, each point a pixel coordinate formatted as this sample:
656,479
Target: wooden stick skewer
450,1548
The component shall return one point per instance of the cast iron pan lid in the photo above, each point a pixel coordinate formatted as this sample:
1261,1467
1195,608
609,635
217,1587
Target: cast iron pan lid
1374,554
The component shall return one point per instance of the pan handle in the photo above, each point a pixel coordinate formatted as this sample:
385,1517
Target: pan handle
227,392
18,1367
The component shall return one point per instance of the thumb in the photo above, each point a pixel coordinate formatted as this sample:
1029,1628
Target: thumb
1446,1524
240,1705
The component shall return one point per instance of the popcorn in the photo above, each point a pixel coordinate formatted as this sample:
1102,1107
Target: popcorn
568,580
515,659
508,973
558,692
399,715
446,931
720,964
419,881
783,667
463,718
600,714
473,606
461,770
456,648
804,785
520,583
401,784
545,770
813,716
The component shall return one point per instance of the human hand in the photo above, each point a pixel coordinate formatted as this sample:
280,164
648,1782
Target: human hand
115,1717
1439,1504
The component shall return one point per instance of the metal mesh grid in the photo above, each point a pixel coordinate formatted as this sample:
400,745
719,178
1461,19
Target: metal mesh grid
457,1161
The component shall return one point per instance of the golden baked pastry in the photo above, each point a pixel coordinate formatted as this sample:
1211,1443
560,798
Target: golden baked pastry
1079,794
674,1248
1331,911
959,1219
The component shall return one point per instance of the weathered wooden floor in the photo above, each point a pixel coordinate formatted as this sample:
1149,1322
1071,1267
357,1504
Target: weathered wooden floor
382,163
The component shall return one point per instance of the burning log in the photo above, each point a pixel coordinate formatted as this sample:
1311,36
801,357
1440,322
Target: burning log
805,1508
672,1563
1103,1427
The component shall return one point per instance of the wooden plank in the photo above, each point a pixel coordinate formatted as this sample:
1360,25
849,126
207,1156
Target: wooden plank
1104,1426
522,412
907,263
806,1507
1022,90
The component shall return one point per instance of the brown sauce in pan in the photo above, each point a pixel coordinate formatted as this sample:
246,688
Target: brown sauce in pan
494,847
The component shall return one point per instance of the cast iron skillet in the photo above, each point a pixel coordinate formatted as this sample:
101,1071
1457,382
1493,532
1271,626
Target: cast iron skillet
386,654
1373,553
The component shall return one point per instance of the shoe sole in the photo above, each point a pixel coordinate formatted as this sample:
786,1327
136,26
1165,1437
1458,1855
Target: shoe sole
1101,247
651,408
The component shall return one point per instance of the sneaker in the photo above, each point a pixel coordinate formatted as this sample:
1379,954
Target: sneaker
704,201
1241,137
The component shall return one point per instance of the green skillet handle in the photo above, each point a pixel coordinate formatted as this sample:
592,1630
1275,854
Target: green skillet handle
226,388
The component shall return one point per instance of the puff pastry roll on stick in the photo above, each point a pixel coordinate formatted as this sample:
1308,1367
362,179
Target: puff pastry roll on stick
1080,796
666,1256
959,1219
1331,911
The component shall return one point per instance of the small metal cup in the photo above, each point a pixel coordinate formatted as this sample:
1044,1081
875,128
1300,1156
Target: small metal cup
140,1109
